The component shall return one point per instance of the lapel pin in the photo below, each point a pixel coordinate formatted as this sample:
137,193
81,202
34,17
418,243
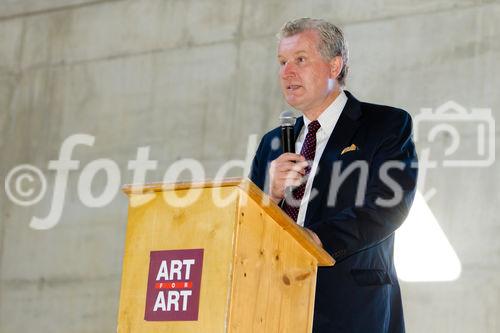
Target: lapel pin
352,147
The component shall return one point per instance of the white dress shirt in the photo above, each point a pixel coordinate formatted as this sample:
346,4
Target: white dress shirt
328,119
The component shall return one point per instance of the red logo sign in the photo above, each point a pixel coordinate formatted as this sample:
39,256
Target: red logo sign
174,285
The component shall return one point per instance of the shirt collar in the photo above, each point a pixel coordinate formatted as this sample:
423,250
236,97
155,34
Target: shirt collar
328,118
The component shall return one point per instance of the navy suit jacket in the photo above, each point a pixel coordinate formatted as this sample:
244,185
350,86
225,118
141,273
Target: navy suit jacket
361,292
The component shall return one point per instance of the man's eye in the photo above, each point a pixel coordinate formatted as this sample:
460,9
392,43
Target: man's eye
282,63
301,59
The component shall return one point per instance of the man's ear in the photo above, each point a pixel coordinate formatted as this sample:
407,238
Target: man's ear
336,66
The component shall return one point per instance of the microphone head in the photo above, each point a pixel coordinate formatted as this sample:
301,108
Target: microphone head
287,118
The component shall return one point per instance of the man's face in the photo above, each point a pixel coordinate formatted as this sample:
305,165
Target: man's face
307,80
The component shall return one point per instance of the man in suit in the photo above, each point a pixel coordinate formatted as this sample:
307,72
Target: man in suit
353,182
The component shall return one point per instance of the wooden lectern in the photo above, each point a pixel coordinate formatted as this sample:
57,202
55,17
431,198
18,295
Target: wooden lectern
215,257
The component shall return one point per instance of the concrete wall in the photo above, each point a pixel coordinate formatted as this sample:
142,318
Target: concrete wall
193,79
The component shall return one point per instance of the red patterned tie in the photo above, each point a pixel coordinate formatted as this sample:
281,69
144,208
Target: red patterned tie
308,151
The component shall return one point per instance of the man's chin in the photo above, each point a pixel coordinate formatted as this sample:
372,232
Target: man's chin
292,100
294,103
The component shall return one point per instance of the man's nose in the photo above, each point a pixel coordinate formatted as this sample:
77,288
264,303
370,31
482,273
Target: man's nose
288,70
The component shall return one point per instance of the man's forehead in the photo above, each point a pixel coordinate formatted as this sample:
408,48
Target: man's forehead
303,42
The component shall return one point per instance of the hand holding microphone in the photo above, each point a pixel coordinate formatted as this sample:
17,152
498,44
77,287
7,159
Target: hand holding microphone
288,169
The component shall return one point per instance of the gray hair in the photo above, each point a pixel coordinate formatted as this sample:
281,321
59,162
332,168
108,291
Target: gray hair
331,40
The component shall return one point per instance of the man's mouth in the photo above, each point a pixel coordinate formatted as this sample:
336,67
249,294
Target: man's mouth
293,87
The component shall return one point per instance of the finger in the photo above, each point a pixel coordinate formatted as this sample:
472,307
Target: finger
292,172
295,179
291,182
300,167
293,176
291,157
284,166
287,166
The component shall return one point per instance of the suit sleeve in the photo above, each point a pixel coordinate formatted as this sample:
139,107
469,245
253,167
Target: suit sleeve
356,228
256,173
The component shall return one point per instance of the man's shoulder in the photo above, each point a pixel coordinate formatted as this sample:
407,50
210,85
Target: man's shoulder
384,118
386,121
376,113
382,113
275,132
270,142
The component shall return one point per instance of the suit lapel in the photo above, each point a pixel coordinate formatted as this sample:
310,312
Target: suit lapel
341,137
296,129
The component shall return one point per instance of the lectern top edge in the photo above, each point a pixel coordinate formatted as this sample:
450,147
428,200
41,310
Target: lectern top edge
160,186
247,186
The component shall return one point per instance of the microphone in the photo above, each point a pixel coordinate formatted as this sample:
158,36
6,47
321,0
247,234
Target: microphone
287,122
